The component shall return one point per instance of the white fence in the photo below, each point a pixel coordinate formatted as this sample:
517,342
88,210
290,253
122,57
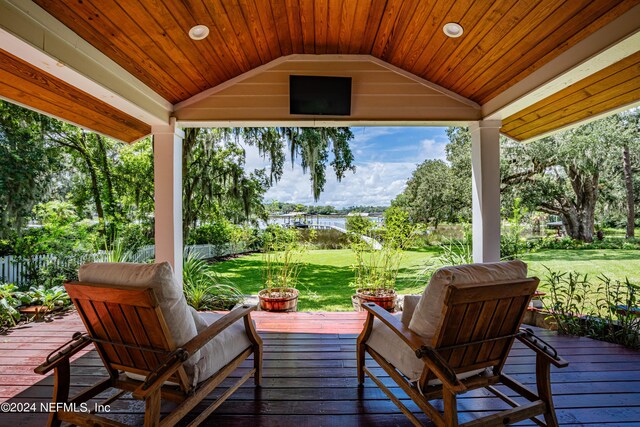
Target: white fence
17,269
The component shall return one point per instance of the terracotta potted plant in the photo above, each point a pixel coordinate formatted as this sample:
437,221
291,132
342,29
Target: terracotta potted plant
376,267
281,264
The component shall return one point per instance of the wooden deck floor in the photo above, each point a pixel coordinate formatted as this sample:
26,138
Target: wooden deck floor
309,378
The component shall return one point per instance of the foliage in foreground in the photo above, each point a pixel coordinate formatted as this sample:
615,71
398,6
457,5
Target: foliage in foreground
596,309
282,254
204,289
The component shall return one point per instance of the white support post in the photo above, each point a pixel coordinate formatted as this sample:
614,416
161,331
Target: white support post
167,161
485,159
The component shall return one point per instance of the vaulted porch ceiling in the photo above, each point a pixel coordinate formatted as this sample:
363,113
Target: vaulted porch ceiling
537,65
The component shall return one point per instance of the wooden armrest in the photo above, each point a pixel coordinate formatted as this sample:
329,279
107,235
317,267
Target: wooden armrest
429,355
542,350
197,342
64,354
183,353
412,339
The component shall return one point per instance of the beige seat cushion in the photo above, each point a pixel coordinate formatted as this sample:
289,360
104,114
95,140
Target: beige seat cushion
394,350
427,314
168,291
223,348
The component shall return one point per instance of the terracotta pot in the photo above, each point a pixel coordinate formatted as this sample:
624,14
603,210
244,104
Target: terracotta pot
278,299
386,299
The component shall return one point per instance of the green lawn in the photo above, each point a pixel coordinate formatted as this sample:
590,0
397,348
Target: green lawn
324,280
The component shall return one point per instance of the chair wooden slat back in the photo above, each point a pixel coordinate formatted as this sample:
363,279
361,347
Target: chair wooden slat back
123,315
479,322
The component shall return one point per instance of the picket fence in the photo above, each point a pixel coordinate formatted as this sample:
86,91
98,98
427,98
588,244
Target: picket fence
16,269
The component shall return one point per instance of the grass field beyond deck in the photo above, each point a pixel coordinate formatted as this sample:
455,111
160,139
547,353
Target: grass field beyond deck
324,280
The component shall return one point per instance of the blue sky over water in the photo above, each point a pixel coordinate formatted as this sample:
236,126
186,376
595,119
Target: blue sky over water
385,157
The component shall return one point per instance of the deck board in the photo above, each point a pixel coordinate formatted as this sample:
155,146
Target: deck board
310,378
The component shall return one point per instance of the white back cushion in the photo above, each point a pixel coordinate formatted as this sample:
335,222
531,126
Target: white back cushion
427,314
167,289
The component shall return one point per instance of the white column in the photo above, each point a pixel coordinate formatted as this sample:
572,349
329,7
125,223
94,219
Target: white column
167,161
485,160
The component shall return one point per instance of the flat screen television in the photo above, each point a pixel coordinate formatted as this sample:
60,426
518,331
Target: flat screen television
317,95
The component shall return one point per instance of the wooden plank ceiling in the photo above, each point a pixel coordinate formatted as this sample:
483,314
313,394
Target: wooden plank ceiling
26,84
503,41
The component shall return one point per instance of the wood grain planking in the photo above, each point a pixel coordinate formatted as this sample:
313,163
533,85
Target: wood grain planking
142,67
40,90
591,18
577,103
368,37
627,98
129,324
505,27
244,53
416,60
175,23
112,332
269,28
439,44
556,25
609,397
484,12
267,48
347,17
321,25
295,27
359,26
256,53
602,81
411,35
282,26
406,15
307,24
154,37
385,29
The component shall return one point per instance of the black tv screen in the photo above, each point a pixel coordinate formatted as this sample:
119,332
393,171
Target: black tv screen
328,96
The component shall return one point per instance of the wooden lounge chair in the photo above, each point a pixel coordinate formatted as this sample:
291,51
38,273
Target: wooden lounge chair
457,338
151,343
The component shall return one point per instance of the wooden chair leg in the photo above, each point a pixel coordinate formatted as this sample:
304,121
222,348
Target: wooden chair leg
255,339
360,347
257,364
360,353
152,409
543,381
450,408
62,378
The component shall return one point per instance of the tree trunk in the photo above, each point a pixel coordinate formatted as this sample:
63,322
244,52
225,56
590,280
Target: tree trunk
579,219
628,182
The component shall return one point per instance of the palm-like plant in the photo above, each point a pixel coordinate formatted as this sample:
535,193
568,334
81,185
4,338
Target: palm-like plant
204,289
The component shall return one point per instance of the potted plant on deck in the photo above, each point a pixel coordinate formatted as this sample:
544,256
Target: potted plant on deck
377,265
281,263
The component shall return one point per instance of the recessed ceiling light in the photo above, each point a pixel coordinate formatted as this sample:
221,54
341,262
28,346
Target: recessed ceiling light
453,29
199,32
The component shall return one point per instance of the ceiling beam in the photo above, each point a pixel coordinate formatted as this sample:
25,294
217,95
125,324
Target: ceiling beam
601,49
31,34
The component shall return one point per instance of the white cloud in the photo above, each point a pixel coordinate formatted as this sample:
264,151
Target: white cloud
432,149
374,183
382,169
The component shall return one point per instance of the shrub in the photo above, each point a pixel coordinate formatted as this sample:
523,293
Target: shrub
325,239
9,302
582,307
204,289
282,253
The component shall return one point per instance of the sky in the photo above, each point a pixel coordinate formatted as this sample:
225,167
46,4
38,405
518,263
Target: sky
385,157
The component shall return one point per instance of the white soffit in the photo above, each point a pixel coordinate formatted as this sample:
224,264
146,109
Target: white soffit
31,34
